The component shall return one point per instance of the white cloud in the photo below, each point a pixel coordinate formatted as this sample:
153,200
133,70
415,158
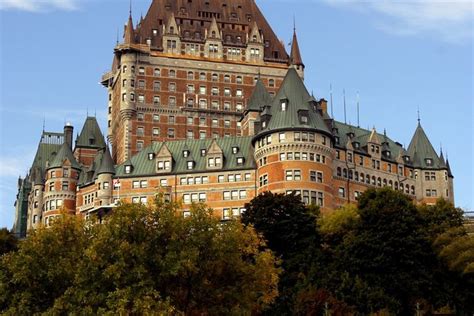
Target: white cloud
451,20
38,5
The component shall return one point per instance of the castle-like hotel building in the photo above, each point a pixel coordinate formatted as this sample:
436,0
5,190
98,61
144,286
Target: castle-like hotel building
205,105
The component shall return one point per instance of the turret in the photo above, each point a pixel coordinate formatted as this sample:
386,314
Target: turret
60,187
104,175
433,180
293,146
129,32
258,100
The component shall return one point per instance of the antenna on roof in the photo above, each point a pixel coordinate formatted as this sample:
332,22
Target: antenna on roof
330,93
117,36
358,110
345,114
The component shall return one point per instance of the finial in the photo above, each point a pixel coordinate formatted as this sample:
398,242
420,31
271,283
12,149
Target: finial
441,148
259,73
117,42
44,123
419,115
384,132
130,12
294,24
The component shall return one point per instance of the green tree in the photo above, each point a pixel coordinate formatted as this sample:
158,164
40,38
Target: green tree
33,277
386,256
290,229
8,241
143,260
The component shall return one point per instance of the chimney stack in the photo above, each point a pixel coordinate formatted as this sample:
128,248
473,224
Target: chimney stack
68,131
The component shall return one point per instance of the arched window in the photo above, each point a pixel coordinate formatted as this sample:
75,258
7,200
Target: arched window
367,179
396,185
384,182
339,171
356,176
390,183
362,178
373,180
344,173
379,182
407,189
413,190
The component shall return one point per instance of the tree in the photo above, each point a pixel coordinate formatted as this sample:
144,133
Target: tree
33,277
290,230
8,241
386,256
143,260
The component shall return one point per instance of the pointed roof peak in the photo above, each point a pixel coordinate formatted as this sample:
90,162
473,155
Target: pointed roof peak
259,97
64,153
421,146
295,56
106,164
129,34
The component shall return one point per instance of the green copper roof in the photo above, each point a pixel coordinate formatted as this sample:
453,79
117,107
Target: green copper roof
298,102
106,164
63,154
49,146
91,136
259,97
362,136
143,166
421,150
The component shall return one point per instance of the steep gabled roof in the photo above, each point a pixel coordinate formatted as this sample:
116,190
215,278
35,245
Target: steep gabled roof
298,100
49,146
244,13
91,136
64,154
259,97
420,149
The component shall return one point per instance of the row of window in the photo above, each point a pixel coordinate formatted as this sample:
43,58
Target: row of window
189,198
234,177
297,137
65,174
235,195
202,76
235,212
309,197
53,205
64,186
303,156
193,180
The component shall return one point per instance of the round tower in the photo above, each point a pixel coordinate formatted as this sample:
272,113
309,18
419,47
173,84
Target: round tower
60,185
293,146
103,180
36,203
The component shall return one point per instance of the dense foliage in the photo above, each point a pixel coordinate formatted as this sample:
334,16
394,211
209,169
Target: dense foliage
386,253
8,241
144,260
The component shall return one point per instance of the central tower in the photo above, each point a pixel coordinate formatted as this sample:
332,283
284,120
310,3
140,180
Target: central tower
186,70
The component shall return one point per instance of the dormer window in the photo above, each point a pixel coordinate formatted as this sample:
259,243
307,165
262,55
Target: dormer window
185,153
164,165
356,145
284,105
151,156
350,135
304,119
240,161
429,161
264,124
336,139
203,152
190,165
406,158
128,169
235,150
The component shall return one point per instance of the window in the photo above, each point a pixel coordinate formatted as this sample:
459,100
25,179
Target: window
342,192
202,76
172,73
227,92
135,184
139,145
172,87
156,85
141,84
281,137
157,71
128,169
226,195
190,165
190,75
263,180
65,186
283,106
156,132
170,132
240,161
215,77
226,78
215,91
141,70
239,93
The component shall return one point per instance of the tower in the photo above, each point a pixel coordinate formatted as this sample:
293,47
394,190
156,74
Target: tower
432,174
186,70
293,146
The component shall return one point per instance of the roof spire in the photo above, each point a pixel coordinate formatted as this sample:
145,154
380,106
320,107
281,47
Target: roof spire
44,123
419,120
295,57
129,32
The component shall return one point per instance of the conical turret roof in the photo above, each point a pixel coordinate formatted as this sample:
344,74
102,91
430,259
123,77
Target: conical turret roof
295,56
259,97
295,96
91,136
106,164
64,153
420,149
129,36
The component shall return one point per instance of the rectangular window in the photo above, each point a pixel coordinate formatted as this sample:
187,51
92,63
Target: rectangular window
342,192
65,186
226,195
281,137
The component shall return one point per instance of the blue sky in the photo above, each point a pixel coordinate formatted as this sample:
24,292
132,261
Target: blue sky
400,56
